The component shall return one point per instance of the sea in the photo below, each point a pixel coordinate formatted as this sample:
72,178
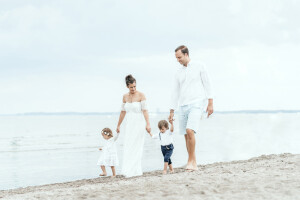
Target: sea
41,148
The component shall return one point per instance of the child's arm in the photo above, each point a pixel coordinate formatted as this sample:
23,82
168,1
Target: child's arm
155,136
116,137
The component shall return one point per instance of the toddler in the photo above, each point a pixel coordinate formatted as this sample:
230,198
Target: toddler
108,157
166,141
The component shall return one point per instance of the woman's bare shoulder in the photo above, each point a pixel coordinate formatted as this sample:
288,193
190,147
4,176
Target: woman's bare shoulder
142,96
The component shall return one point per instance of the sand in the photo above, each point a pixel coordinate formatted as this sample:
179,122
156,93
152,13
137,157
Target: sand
264,177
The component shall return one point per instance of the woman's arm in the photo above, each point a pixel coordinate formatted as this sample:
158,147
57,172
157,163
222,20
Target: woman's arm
146,116
122,115
145,112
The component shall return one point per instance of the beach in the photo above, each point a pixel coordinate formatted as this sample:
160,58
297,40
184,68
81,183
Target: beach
275,176
40,150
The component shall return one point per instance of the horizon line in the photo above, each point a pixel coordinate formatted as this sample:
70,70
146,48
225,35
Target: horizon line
159,112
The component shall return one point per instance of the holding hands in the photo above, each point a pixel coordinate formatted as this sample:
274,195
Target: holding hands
118,129
171,117
148,128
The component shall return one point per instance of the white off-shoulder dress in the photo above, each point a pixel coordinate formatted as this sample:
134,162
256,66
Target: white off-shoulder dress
135,129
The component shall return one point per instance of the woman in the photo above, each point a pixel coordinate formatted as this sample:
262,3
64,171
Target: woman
134,107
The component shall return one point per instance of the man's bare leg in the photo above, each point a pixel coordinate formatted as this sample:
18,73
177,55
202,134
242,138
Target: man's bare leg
191,142
186,142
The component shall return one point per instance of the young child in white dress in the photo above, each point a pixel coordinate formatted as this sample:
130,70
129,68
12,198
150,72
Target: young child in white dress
166,140
109,156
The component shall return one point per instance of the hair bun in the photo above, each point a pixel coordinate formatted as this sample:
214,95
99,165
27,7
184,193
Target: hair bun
129,79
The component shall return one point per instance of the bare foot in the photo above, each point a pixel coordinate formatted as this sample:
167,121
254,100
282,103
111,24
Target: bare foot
171,171
189,166
102,174
113,176
195,167
192,169
164,172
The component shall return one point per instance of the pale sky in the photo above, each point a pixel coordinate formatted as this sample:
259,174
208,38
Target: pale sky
66,55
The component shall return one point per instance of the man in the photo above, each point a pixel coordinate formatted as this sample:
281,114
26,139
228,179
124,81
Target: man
192,90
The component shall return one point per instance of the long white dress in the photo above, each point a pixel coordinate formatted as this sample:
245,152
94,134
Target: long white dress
134,138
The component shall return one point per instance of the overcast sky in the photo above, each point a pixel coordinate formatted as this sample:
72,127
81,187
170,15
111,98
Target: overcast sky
59,55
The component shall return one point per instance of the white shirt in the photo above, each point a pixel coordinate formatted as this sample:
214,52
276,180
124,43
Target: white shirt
192,85
165,138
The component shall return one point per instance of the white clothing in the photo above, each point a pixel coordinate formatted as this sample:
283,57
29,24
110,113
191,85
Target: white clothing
108,154
165,138
134,138
192,85
190,116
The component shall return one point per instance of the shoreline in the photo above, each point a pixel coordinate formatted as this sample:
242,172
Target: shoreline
275,176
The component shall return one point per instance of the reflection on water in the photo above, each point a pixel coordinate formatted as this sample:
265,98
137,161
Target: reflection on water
37,150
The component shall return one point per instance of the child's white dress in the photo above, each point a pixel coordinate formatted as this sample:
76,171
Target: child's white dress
109,156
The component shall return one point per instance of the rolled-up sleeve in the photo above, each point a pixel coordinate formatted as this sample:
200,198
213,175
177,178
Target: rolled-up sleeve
206,82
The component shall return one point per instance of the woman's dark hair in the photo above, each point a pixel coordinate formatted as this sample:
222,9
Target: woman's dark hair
183,49
129,80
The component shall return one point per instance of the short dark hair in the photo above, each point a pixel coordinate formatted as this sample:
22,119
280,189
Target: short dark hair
129,79
183,49
163,123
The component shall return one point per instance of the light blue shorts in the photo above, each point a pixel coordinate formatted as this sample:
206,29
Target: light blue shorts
190,116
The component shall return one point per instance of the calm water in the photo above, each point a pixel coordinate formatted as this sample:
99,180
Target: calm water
37,150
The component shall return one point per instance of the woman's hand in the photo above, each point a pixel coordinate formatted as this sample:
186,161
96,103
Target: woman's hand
118,129
148,128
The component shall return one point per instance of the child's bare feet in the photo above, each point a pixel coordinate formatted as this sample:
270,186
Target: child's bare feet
171,171
113,176
103,174
165,172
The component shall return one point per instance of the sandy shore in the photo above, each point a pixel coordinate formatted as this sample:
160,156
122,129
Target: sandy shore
264,177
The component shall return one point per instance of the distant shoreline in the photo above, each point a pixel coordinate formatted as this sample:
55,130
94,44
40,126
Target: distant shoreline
117,113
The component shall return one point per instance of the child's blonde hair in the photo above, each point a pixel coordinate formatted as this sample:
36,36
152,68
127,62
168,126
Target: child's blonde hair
163,123
107,131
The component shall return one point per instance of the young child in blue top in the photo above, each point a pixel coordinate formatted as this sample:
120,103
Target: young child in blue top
166,140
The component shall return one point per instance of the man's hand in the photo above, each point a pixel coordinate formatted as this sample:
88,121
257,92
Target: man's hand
210,108
171,116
